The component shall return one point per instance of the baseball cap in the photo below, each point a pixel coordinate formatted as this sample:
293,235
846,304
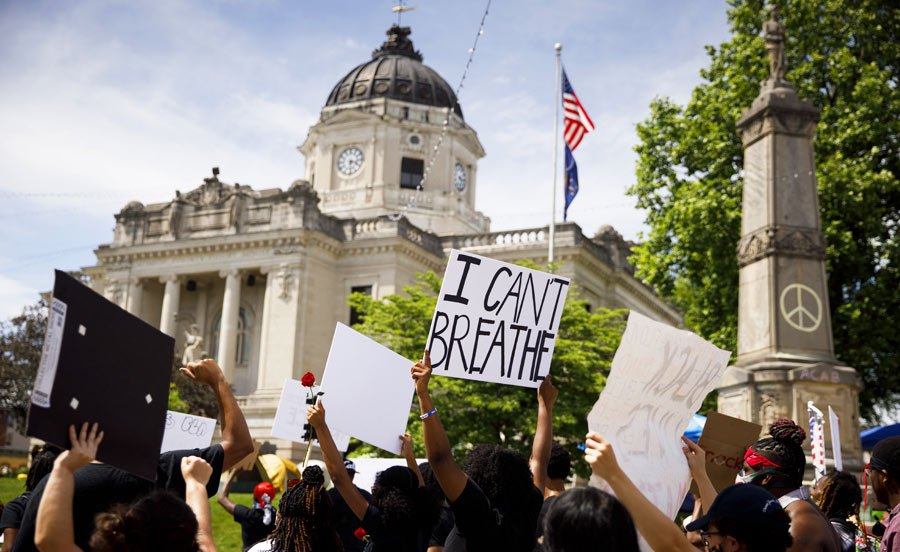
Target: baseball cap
351,467
752,504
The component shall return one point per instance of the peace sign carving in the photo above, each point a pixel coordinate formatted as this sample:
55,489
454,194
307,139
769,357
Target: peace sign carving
801,307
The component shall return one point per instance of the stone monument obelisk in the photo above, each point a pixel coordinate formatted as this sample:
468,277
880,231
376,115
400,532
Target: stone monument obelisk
785,347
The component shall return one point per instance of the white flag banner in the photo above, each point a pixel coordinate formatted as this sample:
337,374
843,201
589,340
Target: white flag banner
817,438
659,378
835,424
495,321
184,431
290,418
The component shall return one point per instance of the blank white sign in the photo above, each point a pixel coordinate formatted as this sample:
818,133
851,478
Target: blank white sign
291,416
368,389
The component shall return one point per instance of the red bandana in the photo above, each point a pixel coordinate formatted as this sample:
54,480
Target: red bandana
758,462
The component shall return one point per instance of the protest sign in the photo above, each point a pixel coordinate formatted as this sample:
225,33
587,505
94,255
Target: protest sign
184,431
290,418
368,389
102,364
725,440
835,424
495,321
658,379
817,439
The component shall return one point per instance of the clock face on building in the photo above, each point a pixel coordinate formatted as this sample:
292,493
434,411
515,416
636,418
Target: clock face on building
459,177
350,160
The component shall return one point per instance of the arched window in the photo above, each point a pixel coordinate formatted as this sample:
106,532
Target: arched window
242,351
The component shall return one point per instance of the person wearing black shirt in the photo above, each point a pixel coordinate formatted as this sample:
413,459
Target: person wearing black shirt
256,522
343,519
497,498
100,486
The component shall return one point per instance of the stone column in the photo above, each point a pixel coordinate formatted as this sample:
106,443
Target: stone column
171,299
135,296
228,324
280,326
785,351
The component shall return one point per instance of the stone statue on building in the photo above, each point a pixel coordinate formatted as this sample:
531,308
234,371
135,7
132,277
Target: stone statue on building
175,214
192,345
774,36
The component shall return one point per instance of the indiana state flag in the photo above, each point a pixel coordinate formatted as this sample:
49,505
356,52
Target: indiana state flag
571,186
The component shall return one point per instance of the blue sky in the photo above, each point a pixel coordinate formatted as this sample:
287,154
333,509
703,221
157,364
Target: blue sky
104,102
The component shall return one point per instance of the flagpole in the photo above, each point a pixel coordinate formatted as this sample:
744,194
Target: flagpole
558,48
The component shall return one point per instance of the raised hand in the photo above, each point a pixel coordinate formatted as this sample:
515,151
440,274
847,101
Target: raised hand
599,454
421,373
406,449
196,468
315,415
547,393
696,457
205,371
84,447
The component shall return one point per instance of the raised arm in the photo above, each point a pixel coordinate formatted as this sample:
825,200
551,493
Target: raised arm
223,499
543,435
196,472
696,458
358,504
236,440
406,450
55,528
437,447
660,532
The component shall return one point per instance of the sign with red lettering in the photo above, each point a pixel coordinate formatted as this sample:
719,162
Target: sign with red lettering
495,321
725,440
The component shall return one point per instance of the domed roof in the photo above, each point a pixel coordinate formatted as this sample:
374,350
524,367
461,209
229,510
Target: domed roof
395,71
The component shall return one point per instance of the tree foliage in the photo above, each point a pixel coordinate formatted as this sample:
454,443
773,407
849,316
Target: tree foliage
21,341
475,412
845,57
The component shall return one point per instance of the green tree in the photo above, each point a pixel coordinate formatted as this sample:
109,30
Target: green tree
477,412
21,341
845,57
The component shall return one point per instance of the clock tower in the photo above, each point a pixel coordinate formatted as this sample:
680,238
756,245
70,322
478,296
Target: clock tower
391,140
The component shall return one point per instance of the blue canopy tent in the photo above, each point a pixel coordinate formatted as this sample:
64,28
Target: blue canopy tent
871,436
695,427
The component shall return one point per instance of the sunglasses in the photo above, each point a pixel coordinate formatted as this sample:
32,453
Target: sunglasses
705,536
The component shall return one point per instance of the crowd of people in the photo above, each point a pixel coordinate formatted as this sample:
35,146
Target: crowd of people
497,500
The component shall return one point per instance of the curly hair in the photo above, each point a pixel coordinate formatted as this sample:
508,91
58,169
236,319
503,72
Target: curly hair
505,478
560,464
41,465
158,521
784,448
404,506
840,496
431,482
588,515
304,523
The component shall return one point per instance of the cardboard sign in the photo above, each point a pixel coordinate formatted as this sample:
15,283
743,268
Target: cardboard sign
495,321
184,431
368,389
835,424
102,364
658,379
725,440
290,418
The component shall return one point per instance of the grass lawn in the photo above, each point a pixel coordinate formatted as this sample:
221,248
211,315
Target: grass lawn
226,532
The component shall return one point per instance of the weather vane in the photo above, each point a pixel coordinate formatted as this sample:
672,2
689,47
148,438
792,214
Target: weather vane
400,8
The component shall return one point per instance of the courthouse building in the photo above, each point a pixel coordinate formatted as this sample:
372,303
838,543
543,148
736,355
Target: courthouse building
257,278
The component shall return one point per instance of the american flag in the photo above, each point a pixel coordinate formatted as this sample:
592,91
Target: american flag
575,118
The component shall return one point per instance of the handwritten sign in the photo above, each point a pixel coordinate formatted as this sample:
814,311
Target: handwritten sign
290,418
658,379
368,389
184,431
725,440
495,321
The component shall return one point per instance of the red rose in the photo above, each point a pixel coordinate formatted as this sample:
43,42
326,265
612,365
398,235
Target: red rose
360,533
308,379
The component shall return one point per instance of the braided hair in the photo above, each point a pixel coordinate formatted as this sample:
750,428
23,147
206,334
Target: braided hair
304,521
840,496
784,448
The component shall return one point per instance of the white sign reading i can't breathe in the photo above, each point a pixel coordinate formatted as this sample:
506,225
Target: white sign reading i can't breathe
495,321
